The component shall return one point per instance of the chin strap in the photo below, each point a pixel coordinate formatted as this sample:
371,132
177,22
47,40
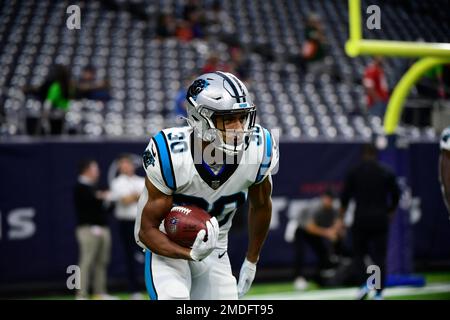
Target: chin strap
187,120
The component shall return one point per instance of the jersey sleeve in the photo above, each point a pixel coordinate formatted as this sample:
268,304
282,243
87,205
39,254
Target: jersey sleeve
270,158
158,164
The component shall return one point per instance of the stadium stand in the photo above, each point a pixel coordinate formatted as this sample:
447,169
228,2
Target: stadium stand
145,74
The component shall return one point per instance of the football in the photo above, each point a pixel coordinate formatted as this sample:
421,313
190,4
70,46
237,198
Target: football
183,223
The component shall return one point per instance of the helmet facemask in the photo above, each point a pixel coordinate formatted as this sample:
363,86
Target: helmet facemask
213,126
232,128
221,111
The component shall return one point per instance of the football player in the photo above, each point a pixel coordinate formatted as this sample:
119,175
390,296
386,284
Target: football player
444,166
214,163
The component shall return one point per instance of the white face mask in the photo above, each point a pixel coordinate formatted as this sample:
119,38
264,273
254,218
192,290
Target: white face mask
215,126
230,131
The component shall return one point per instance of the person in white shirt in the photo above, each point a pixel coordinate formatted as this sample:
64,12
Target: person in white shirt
125,191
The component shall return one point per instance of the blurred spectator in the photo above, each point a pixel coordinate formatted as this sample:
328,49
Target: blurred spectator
375,84
313,48
196,23
446,77
444,166
376,193
315,227
2,116
184,31
190,7
191,23
312,52
54,94
89,87
431,85
93,234
125,191
217,18
213,64
239,64
166,26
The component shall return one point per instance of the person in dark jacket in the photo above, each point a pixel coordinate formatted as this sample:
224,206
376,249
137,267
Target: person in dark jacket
444,166
376,194
93,234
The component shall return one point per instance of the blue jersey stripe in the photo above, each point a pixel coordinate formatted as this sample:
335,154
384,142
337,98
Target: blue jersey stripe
165,160
267,156
151,290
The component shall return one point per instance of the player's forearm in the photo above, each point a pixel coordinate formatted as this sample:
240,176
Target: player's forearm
258,227
160,244
132,198
314,229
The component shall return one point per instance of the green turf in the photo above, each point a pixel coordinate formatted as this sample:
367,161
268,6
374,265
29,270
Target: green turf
423,296
277,287
430,277
437,277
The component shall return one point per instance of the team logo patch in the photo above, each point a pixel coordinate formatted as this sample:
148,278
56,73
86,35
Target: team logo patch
148,158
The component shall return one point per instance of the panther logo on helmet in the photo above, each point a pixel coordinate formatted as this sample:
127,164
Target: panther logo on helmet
197,87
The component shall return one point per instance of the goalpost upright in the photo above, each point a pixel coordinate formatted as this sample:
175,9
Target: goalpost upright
431,54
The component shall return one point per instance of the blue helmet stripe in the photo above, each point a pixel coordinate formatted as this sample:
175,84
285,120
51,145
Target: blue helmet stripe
240,87
230,82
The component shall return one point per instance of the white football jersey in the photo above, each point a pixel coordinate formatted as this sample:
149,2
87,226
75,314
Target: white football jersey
169,164
445,139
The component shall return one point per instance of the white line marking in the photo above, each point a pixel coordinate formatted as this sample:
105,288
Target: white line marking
350,293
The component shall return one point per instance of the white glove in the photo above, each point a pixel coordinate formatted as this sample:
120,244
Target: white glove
246,276
201,249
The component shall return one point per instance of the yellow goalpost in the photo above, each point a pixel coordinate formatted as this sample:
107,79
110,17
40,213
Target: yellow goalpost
430,54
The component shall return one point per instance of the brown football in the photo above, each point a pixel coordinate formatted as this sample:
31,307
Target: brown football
183,223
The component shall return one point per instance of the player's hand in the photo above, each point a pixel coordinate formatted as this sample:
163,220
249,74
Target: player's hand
102,195
331,234
246,276
339,226
201,249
